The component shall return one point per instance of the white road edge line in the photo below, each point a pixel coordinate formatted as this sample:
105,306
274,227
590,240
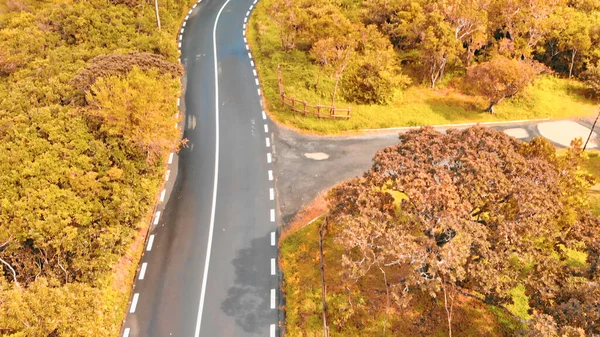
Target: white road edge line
264,115
247,13
272,266
272,215
245,40
256,80
184,23
136,297
247,47
150,242
162,195
171,158
272,332
269,158
250,56
271,193
270,175
272,298
167,175
254,72
251,6
272,238
245,19
216,177
266,128
258,91
157,217
145,265
268,141
126,332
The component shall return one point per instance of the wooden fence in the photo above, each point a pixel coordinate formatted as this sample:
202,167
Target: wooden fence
321,111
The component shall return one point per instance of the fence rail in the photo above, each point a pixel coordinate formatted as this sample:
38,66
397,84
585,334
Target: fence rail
301,106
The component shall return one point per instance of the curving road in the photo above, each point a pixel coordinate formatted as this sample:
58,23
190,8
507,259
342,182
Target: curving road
209,264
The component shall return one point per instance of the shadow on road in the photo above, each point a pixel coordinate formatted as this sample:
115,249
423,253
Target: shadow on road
248,303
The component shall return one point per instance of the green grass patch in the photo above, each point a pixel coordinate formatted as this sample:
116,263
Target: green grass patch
358,309
417,105
520,305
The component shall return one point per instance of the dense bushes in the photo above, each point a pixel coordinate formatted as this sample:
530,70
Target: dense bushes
433,38
78,176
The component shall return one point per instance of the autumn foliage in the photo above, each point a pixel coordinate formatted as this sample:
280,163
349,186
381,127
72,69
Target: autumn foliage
473,211
79,176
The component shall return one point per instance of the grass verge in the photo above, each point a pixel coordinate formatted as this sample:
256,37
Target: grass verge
418,105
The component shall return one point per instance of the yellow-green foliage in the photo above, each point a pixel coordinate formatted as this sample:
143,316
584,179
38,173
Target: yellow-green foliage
520,305
417,105
77,176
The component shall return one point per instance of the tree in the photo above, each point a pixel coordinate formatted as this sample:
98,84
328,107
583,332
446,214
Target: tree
572,34
144,120
286,16
375,74
591,78
499,78
336,54
465,210
438,46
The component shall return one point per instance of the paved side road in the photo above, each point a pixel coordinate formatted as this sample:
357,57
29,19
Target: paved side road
307,165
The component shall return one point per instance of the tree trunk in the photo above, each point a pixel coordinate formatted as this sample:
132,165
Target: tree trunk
448,306
14,274
573,54
337,80
318,79
157,14
490,108
387,297
322,231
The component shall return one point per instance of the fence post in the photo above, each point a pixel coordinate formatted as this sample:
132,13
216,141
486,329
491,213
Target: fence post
319,110
304,111
348,112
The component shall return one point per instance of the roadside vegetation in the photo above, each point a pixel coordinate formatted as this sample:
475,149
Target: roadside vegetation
468,233
88,92
408,63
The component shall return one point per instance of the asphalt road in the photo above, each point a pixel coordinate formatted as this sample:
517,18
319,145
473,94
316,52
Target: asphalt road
207,269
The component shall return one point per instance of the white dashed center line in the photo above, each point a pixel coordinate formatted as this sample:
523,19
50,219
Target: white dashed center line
271,193
268,142
272,215
272,266
269,158
272,298
266,128
272,331
272,238
270,175
264,115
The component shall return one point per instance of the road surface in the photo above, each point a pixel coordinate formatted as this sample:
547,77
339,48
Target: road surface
209,264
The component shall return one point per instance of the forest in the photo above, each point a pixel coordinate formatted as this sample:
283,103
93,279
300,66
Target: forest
468,233
88,92
376,52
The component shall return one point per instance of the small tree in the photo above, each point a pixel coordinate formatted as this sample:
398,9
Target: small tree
335,54
500,78
592,78
287,18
